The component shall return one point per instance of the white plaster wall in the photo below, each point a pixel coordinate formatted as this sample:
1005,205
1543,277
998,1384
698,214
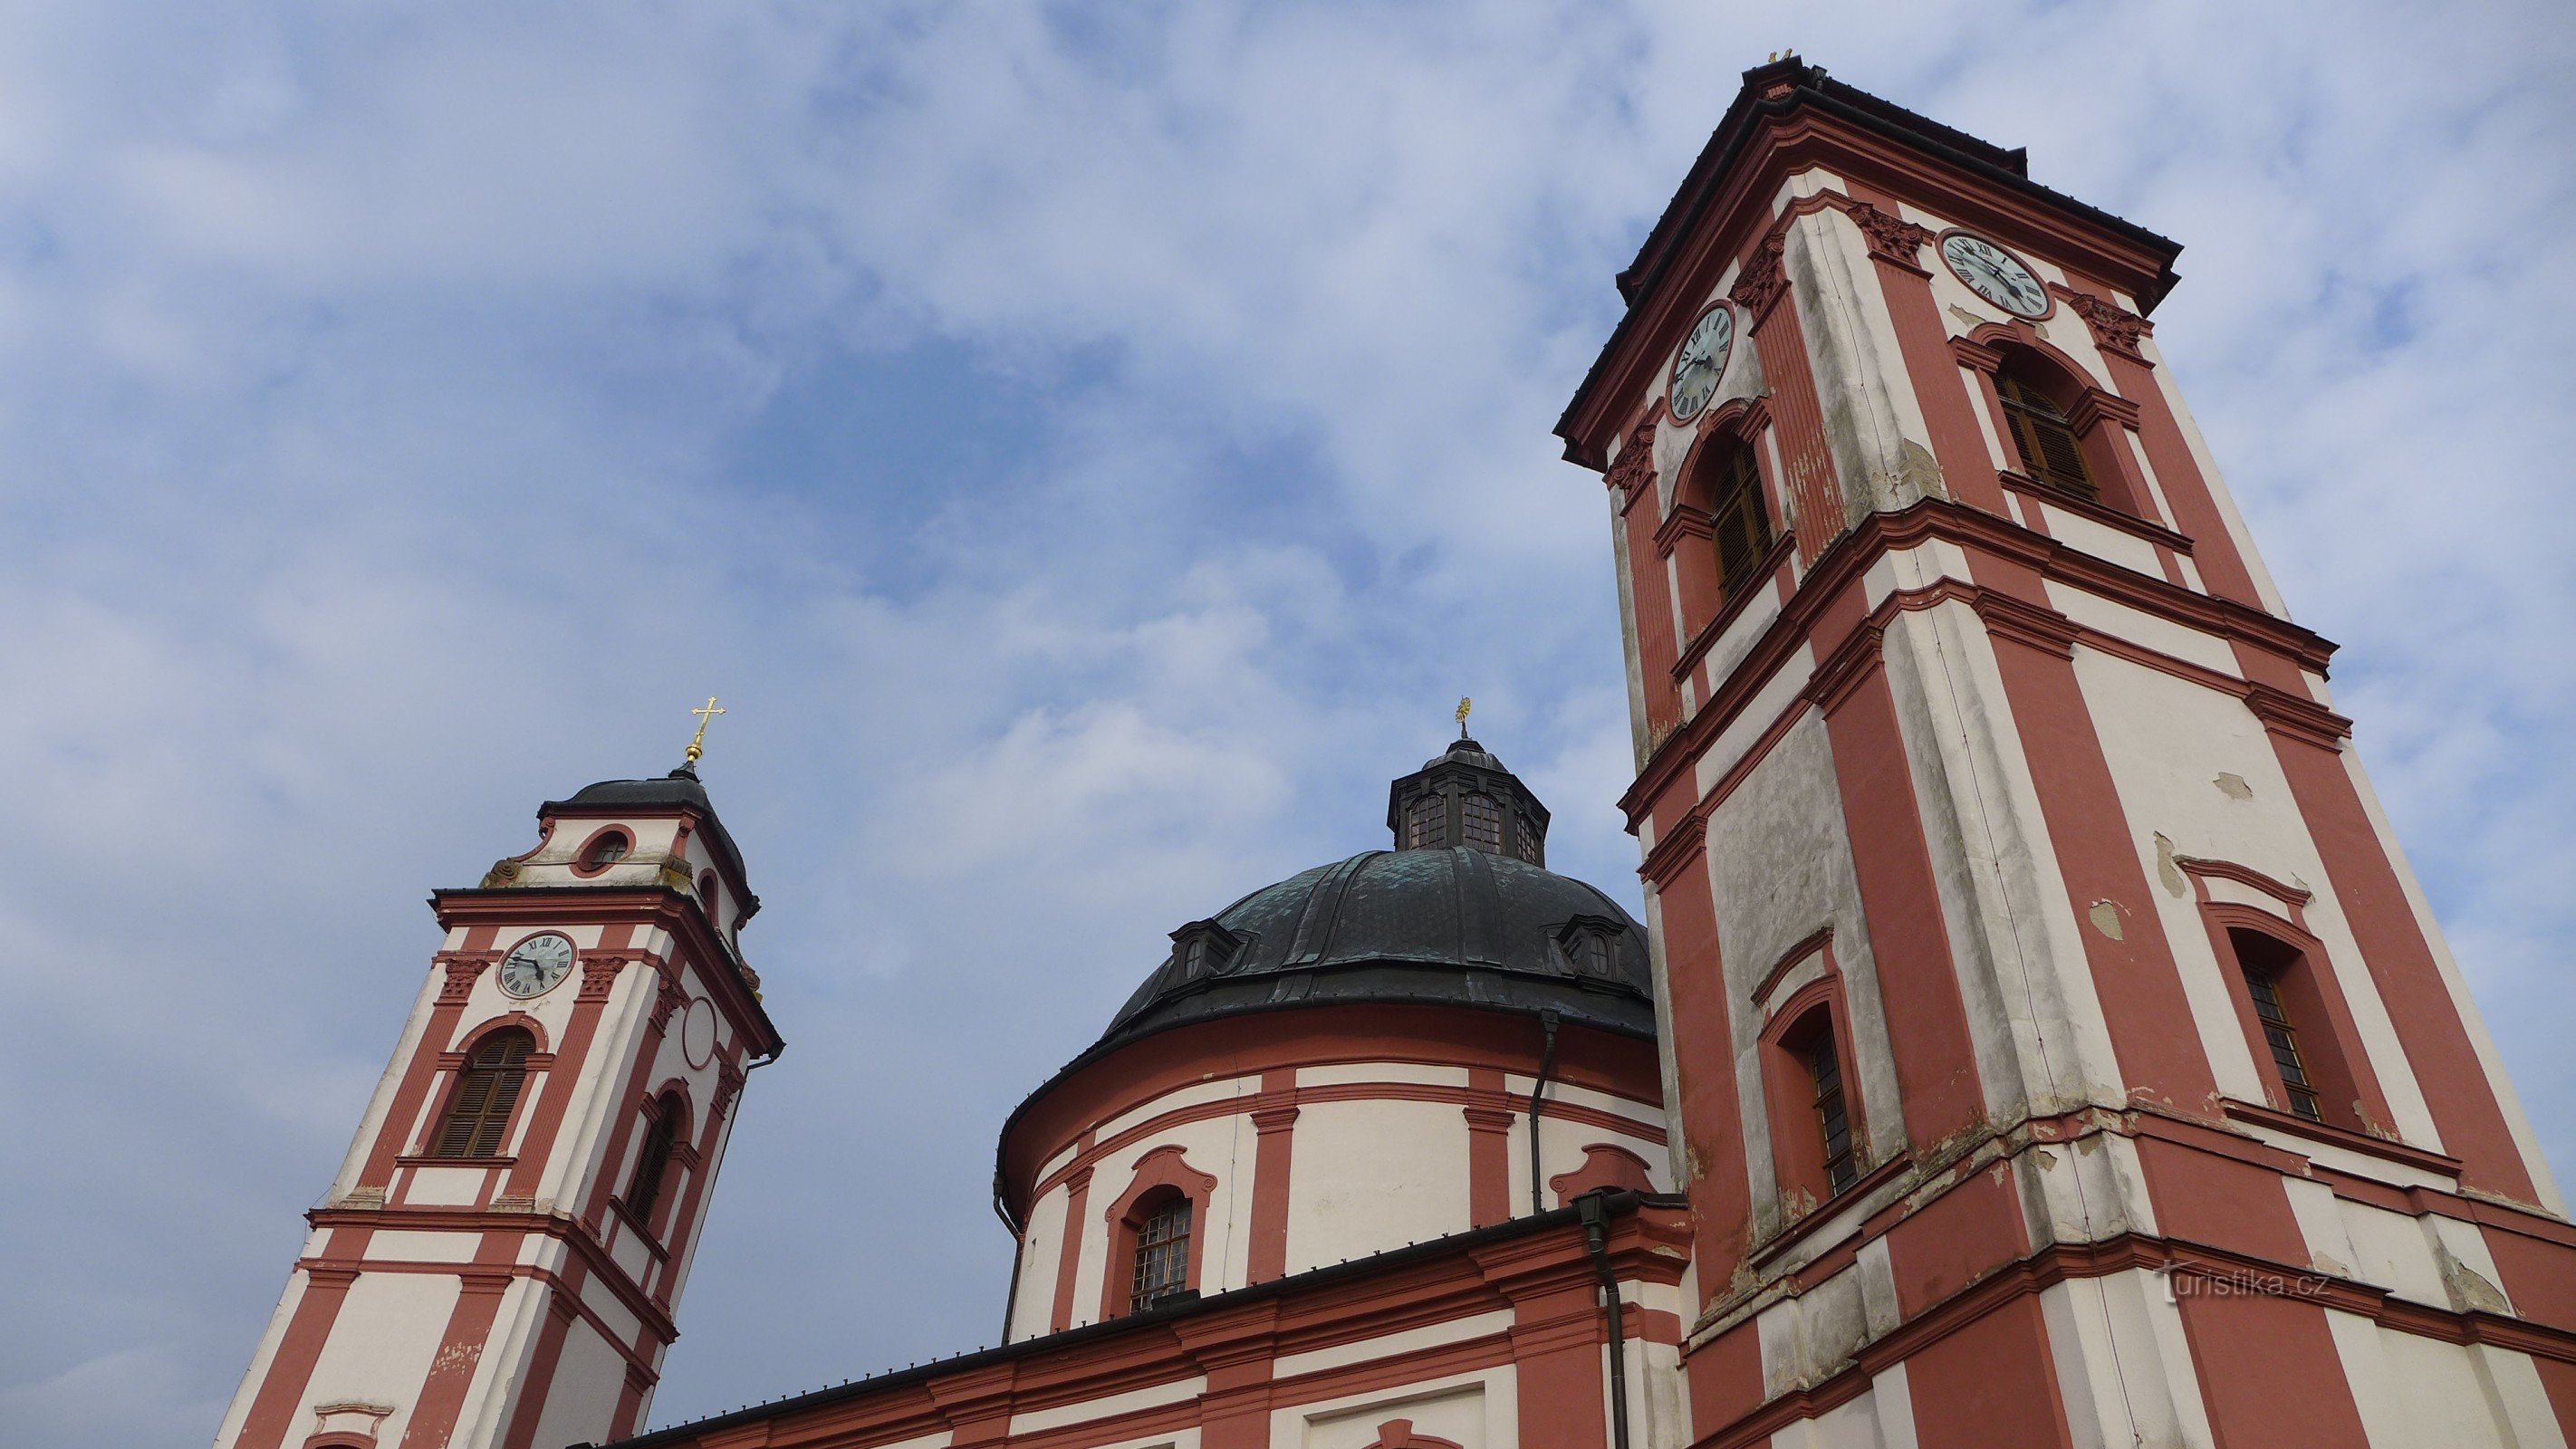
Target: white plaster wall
2124,1365
588,1379
1475,1411
1348,1073
1152,1396
1777,696
1041,1257
2390,1250
2100,539
1370,1176
1407,1341
389,1328
1222,1147
1780,867
2141,628
2033,1014
1561,1147
2167,741
1195,1094
1873,419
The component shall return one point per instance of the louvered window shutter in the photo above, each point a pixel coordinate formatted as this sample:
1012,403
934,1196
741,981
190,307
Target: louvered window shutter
653,1160
1740,526
2050,451
480,1116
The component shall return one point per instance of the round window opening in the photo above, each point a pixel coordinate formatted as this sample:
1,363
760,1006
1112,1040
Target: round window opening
607,850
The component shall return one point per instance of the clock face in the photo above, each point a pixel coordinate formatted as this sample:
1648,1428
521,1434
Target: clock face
533,968
1702,361
1994,274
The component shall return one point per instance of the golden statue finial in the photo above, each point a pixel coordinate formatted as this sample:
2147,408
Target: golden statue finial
1464,704
706,716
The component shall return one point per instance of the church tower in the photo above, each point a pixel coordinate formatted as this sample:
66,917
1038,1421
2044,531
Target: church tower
499,1261
2058,1048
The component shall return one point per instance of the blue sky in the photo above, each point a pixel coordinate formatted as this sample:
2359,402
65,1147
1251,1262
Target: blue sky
1089,449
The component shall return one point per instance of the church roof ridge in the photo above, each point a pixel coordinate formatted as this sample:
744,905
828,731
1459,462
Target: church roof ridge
1617,1203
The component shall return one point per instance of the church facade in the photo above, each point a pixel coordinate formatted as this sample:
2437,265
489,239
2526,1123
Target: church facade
2035,1037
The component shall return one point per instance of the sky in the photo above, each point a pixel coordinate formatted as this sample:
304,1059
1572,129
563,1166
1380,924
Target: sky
1089,449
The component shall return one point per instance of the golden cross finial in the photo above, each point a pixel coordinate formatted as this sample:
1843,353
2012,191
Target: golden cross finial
1464,705
706,716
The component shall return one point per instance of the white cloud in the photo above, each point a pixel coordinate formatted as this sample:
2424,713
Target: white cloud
373,388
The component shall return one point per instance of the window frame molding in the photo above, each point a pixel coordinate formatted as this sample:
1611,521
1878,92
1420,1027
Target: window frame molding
1704,593
1789,1091
2364,1109
1161,1171
2101,420
455,1062
581,863
678,1164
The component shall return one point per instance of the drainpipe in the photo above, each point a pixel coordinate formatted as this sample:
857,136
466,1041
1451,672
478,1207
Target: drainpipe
1019,1252
1546,1064
1595,1212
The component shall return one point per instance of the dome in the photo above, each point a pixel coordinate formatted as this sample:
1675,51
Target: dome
1447,925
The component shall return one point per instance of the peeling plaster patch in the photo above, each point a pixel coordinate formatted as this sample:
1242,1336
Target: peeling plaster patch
1918,473
1971,319
2470,1291
2106,919
2233,786
2169,870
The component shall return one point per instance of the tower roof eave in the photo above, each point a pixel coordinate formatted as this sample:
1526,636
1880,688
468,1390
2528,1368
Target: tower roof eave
1772,91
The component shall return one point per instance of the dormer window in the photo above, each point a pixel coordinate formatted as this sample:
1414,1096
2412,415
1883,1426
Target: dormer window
1590,945
1204,948
606,849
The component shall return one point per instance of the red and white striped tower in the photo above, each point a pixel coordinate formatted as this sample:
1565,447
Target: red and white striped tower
2061,1051
499,1260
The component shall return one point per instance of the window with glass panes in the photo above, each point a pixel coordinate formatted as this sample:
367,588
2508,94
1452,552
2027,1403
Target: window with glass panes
2283,1039
1482,816
1162,1255
1826,1067
1527,842
1426,821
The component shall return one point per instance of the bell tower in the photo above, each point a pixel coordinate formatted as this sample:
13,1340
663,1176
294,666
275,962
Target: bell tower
500,1259
2059,1048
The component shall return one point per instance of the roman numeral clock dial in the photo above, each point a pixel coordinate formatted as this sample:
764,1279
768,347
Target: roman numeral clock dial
1994,274
535,965
1702,361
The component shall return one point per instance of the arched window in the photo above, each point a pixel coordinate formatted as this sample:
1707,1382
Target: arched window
607,849
478,1118
1528,841
1739,526
2046,441
1162,1266
653,1160
1426,821
1483,819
